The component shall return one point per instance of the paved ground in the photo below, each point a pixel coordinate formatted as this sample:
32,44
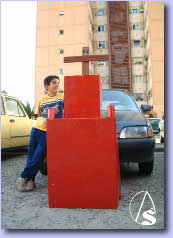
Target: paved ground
31,211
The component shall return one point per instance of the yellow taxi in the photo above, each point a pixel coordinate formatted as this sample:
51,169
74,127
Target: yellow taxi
15,123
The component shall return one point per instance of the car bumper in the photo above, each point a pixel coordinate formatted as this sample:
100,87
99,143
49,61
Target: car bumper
136,150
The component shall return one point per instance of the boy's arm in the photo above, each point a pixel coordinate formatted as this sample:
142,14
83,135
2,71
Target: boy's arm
37,109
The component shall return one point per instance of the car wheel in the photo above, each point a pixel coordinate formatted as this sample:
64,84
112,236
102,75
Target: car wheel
146,168
43,167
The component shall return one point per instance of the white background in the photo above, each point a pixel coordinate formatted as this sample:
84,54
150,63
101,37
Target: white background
18,44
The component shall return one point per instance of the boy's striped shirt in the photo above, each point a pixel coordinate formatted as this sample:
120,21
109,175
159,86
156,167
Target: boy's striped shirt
44,104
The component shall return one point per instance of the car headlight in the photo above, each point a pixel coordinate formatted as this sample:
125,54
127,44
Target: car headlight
136,132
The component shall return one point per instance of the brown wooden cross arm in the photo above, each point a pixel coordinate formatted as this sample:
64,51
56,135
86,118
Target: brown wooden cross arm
85,59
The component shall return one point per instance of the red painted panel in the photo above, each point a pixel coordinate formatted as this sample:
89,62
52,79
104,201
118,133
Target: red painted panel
83,163
82,96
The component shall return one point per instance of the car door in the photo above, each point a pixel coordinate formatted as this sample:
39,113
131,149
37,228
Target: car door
20,125
5,127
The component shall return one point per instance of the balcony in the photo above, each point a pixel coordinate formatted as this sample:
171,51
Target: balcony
146,22
136,4
149,64
138,69
139,88
103,20
137,52
136,18
147,46
149,85
102,70
136,34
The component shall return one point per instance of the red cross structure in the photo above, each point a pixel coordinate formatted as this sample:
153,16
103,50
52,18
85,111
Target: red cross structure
82,147
85,59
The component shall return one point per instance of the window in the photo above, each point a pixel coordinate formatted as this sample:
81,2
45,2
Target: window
61,32
101,28
139,79
135,10
139,96
21,113
101,62
101,44
136,43
13,108
85,51
136,27
2,107
100,12
61,13
61,51
145,41
61,71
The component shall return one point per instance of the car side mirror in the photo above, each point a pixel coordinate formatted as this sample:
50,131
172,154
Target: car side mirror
146,107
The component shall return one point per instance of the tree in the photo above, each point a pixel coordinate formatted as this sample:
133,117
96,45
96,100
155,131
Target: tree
3,91
28,109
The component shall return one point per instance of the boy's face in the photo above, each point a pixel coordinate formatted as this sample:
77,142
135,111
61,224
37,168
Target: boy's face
53,86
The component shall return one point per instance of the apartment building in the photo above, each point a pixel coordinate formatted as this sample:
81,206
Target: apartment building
101,40
131,33
146,23
154,36
62,30
136,26
66,28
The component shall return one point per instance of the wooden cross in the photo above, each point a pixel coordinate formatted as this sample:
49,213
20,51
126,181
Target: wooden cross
85,59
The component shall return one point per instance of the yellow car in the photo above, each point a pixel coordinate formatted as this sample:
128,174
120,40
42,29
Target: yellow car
15,123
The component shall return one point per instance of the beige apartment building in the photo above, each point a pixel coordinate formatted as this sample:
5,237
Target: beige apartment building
131,33
62,30
154,34
147,53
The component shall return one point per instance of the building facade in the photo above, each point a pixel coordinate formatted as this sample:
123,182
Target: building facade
131,33
62,30
154,35
146,23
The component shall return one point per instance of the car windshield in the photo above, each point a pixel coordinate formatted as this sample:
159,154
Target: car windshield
119,99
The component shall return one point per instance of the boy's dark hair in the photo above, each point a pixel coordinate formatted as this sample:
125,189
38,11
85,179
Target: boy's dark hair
49,78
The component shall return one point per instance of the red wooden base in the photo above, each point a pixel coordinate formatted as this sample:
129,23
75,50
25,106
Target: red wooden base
83,163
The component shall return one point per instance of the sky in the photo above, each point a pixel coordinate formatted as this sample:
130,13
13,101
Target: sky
18,43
